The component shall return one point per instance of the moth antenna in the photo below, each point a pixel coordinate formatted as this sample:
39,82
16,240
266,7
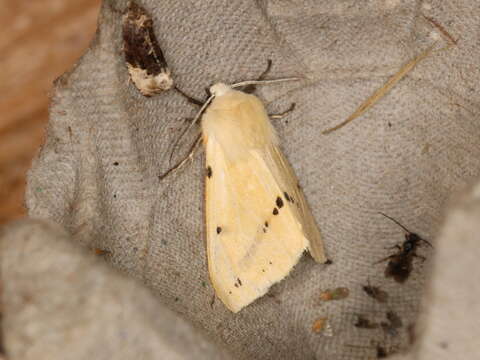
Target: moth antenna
184,160
191,100
259,82
200,112
396,222
194,121
174,147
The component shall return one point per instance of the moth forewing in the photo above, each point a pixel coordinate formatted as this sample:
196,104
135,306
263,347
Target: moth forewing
258,222
296,196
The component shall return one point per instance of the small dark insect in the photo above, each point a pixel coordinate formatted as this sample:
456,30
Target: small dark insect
376,293
400,264
381,352
364,323
394,319
394,323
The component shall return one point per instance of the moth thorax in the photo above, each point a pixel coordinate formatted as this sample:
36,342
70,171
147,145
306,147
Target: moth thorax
219,89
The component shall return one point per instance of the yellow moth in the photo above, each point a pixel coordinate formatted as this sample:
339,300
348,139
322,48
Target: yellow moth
258,222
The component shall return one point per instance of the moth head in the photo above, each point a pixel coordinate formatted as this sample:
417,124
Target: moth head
219,89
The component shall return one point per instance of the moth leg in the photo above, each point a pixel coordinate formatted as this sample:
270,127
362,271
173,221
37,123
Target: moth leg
190,99
284,113
251,88
184,160
175,144
398,247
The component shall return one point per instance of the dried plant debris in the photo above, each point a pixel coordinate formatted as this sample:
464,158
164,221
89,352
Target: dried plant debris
400,264
380,93
335,294
319,325
364,323
101,252
442,30
376,293
322,326
145,61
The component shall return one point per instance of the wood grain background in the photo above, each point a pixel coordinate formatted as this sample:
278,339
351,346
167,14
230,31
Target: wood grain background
39,41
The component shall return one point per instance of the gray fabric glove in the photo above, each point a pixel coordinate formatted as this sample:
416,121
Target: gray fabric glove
97,175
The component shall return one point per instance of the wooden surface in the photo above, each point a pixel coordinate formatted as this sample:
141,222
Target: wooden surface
39,40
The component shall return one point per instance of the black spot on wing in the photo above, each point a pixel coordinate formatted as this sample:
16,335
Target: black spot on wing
266,223
275,211
287,197
279,202
219,229
209,172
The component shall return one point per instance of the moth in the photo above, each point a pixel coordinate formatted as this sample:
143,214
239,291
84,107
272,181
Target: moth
258,222
146,64
400,264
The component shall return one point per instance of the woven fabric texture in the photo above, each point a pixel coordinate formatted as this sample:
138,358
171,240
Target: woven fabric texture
97,176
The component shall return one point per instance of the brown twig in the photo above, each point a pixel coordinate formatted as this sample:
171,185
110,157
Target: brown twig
380,93
442,30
